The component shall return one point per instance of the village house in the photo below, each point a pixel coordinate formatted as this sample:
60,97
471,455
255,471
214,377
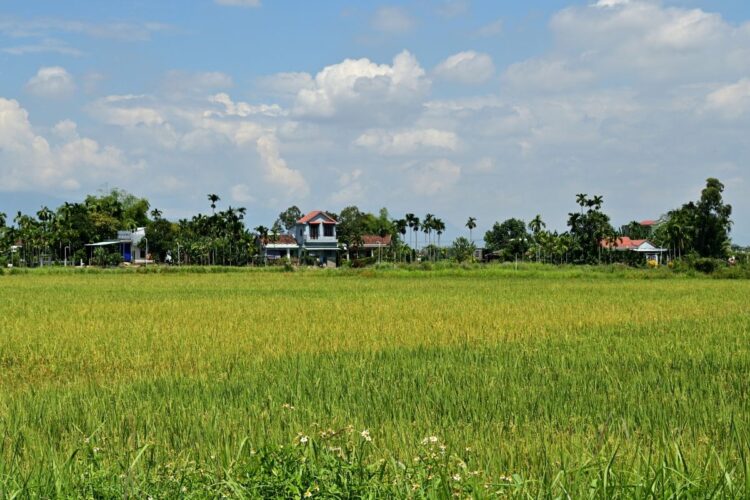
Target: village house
279,247
644,247
132,246
315,234
373,245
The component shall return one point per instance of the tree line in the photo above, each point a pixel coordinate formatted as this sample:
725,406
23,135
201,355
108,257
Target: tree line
698,228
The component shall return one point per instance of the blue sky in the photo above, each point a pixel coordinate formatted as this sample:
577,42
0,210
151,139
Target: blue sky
460,108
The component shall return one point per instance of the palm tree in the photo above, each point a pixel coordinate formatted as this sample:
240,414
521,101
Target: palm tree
439,226
399,225
156,213
597,201
3,218
213,198
471,224
427,229
415,232
262,237
536,226
581,199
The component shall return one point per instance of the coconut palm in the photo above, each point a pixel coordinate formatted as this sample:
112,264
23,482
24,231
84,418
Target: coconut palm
471,224
156,213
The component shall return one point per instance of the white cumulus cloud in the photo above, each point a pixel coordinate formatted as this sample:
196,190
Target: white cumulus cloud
434,177
468,67
29,160
244,109
364,89
276,170
407,141
731,100
52,81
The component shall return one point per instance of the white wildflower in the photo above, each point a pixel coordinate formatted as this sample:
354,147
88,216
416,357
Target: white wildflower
430,440
366,435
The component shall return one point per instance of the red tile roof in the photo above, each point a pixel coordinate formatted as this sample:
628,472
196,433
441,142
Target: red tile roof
282,239
310,216
375,240
623,243
647,222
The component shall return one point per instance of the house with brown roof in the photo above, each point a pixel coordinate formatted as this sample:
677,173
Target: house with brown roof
626,244
373,245
279,246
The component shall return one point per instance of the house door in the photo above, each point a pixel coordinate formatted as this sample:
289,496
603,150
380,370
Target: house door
126,254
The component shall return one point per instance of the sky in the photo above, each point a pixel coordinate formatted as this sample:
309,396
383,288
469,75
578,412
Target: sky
491,109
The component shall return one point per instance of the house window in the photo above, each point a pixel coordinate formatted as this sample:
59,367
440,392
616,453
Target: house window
328,230
314,231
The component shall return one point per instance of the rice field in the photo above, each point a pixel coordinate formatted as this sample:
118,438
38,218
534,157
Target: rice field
535,383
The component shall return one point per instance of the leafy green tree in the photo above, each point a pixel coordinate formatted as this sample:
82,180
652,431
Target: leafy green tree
462,250
588,229
508,238
289,217
162,237
712,221
637,231
350,228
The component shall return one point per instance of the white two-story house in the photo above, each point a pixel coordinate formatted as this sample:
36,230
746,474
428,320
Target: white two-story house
316,236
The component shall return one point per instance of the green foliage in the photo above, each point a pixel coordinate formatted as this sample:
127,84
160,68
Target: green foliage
509,238
289,217
589,228
106,257
162,237
702,227
706,264
462,249
636,231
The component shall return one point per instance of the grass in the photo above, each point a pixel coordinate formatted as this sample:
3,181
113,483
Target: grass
533,383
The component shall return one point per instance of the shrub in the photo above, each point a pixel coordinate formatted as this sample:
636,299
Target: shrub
364,262
707,265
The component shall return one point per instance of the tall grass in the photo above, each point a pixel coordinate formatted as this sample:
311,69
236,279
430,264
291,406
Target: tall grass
531,383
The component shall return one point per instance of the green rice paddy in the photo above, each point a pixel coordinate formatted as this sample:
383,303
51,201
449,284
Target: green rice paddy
379,383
